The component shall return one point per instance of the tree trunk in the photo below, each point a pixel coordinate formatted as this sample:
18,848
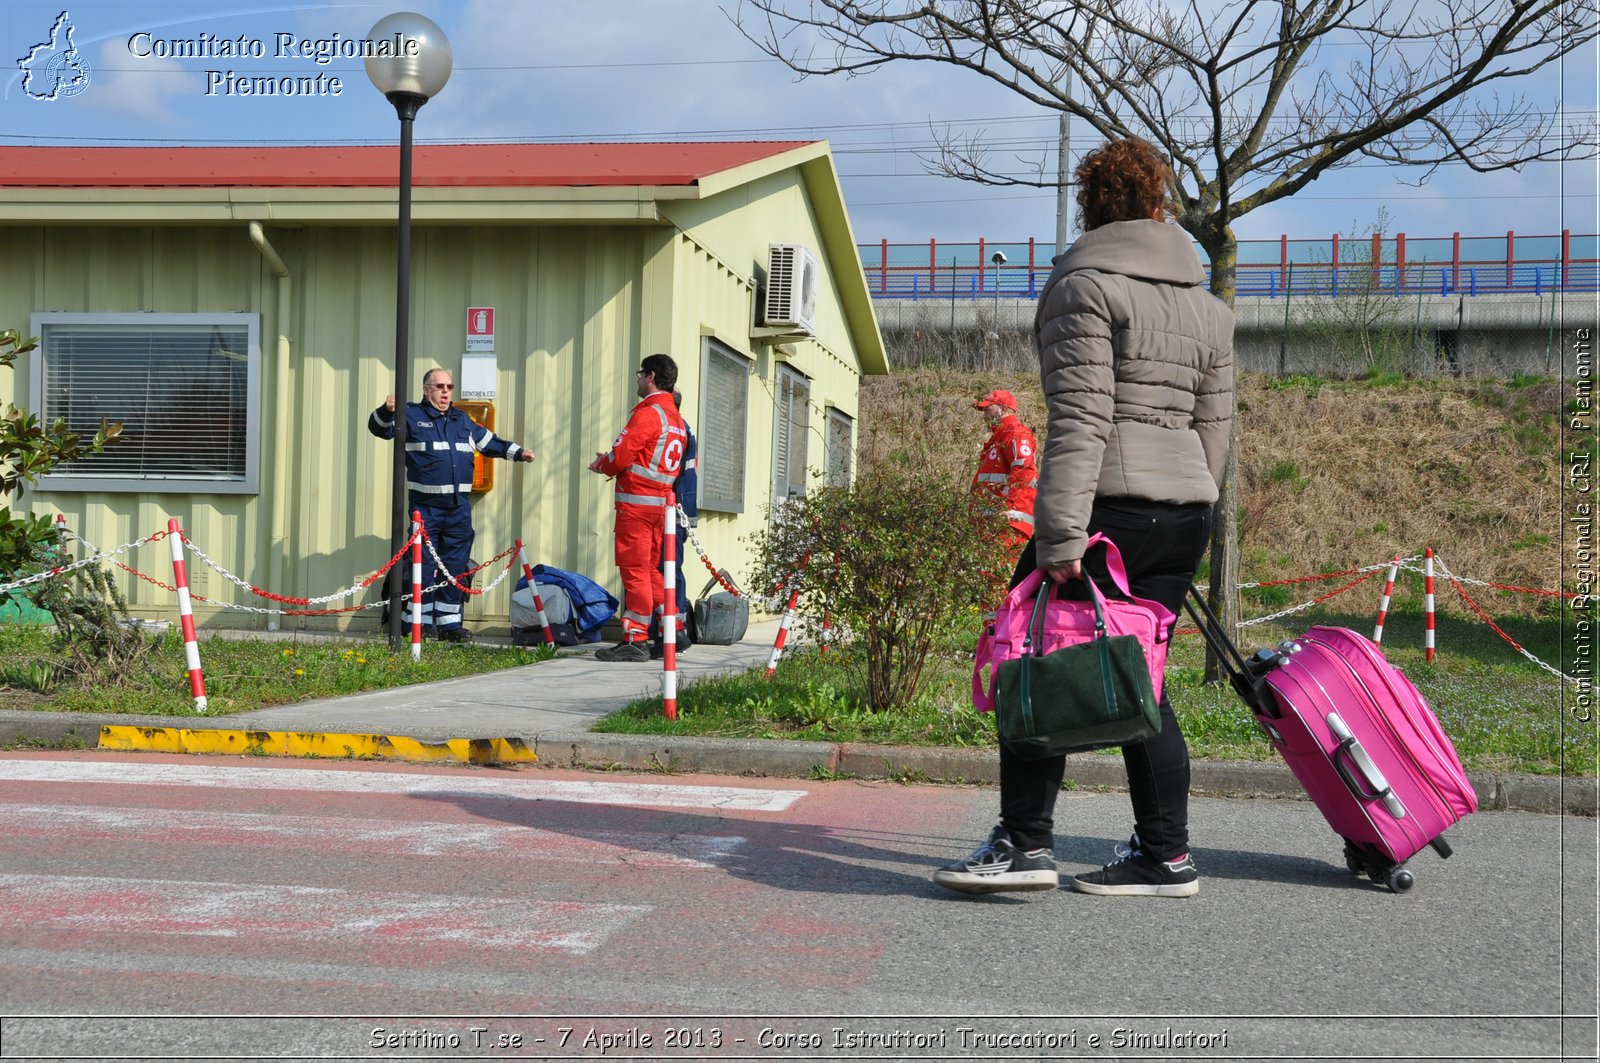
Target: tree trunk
1218,240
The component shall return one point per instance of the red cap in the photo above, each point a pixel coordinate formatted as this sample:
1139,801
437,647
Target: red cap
998,397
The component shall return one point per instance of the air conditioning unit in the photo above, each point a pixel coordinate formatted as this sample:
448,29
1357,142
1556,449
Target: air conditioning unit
793,274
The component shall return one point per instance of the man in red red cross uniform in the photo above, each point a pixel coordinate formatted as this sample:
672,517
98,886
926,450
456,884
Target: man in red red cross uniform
645,459
1007,478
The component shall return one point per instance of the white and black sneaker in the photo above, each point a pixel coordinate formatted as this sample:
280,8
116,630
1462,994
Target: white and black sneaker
998,866
1141,875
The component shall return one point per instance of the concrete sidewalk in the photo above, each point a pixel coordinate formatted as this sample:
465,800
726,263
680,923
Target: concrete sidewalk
542,713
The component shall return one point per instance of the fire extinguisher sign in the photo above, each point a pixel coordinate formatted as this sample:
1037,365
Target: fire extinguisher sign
480,328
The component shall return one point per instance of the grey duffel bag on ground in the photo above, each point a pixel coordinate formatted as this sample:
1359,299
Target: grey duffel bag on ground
557,606
720,619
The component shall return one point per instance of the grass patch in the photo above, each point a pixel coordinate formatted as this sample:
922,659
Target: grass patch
240,674
1502,712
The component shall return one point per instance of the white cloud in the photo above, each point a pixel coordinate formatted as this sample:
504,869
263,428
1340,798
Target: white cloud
141,89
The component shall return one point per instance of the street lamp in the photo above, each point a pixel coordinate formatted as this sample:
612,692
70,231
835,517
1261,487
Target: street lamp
408,80
997,259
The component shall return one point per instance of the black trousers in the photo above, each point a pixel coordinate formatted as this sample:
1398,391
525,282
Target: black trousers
1161,546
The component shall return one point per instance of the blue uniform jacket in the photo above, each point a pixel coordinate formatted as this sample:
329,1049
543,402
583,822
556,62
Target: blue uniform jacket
687,485
439,451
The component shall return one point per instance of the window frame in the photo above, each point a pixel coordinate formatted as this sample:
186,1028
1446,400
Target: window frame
787,380
838,418
718,451
248,484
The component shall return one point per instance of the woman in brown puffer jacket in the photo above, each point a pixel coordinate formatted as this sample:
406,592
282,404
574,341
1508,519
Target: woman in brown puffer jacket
1136,361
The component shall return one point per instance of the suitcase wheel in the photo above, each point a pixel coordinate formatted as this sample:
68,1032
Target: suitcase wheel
1379,870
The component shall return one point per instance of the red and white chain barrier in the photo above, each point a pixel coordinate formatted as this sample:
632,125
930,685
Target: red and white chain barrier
1427,604
705,559
191,645
538,602
1383,603
1457,582
416,585
669,610
788,616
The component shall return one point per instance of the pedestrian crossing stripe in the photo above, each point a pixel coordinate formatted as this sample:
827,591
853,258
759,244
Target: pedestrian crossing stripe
394,920
165,826
359,780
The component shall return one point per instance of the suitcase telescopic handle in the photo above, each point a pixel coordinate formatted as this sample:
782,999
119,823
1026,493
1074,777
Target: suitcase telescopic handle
1360,774
1244,681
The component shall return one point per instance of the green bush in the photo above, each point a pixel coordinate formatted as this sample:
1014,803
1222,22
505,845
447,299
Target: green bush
896,561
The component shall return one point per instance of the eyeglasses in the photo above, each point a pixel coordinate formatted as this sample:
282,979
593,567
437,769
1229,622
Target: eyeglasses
442,387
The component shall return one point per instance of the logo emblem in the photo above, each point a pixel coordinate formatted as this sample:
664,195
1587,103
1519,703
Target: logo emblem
54,69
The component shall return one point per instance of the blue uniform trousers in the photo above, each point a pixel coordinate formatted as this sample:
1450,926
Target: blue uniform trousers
450,529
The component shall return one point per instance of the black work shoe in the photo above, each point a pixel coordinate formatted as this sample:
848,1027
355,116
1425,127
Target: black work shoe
454,634
998,866
657,652
1141,875
626,652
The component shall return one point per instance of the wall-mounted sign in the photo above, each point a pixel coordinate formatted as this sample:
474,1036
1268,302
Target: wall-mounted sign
479,378
480,328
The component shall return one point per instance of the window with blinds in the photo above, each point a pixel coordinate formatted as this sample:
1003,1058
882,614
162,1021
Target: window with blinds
186,388
791,424
723,427
841,448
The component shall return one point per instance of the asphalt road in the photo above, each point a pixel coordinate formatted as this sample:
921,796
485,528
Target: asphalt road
181,907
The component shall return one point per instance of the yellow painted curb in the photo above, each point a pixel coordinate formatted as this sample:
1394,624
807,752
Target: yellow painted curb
316,744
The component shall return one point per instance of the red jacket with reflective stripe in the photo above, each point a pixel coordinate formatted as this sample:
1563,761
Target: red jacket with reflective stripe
1006,471
648,455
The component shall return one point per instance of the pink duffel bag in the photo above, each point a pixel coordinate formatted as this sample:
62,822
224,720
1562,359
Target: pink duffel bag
1067,623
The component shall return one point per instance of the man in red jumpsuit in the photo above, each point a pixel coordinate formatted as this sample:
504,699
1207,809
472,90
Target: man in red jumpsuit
1007,478
645,460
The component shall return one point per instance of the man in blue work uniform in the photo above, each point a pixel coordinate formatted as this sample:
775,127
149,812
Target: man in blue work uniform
687,489
440,443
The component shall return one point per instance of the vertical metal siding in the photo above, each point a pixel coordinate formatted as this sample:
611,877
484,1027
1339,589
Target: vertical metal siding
576,308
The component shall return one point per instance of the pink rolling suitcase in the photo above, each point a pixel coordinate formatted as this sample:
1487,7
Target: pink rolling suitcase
1360,739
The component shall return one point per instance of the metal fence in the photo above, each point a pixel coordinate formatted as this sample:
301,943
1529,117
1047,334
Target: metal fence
1271,269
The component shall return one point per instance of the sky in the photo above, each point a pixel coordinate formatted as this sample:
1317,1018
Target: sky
532,70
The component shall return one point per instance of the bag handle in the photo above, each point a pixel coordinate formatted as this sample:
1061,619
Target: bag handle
1036,631
714,580
1114,566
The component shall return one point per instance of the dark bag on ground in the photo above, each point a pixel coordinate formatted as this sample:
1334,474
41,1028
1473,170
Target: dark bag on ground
720,619
1088,695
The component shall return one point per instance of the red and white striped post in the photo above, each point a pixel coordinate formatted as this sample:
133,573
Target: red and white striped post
61,540
1427,603
1383,603
191,646
669,610
788,619
538,602
416,585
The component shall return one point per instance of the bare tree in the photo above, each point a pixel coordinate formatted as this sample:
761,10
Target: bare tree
1252,100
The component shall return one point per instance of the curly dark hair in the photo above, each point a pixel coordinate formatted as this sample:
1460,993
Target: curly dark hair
1123,180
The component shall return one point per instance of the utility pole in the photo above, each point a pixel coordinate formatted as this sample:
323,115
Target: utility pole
1064,172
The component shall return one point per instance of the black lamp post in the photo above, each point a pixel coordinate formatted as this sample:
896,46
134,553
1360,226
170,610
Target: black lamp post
408,79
